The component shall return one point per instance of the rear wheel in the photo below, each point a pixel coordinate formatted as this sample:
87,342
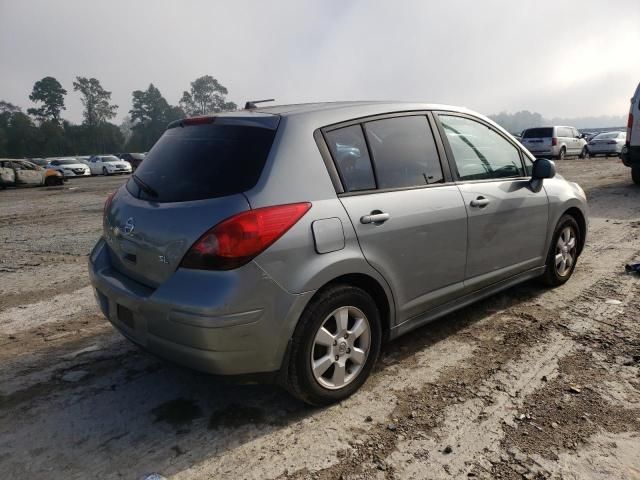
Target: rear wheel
563,252
562,154
635,174
335,346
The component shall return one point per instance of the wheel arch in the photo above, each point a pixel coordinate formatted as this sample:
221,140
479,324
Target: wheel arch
577,214
373,287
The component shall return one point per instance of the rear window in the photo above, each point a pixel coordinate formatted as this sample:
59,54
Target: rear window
606,136
538,133
203,161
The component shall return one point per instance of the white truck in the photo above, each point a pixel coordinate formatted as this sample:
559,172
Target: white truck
631,151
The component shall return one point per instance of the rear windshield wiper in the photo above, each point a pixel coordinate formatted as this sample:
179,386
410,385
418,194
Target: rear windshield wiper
144,187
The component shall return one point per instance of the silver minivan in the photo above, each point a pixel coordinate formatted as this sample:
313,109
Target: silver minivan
288,243
555,142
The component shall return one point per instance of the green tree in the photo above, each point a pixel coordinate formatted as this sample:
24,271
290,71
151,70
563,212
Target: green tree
50,93
150,114
97,111
23,138
6,111
206,96
96,101
6,107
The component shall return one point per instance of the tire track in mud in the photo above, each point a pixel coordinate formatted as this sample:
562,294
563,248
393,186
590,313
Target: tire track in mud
455,425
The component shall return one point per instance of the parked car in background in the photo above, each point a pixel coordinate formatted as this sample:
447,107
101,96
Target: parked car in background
134,159
630,154
607,143
41,162
108,165
589,135
554,142
70,167
290,241
27,173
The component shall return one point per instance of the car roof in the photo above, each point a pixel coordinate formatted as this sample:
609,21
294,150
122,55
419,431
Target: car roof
327,113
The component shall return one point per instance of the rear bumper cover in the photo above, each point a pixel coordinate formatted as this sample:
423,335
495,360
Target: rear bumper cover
226,323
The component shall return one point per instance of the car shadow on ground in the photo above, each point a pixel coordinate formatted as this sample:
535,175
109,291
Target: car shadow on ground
132,414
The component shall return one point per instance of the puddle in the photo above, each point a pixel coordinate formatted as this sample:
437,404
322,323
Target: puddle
177,412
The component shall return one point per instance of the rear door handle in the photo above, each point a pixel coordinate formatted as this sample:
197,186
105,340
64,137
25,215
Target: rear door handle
375,217
480,202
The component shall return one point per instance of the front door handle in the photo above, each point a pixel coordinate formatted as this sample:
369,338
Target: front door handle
376,217
480,202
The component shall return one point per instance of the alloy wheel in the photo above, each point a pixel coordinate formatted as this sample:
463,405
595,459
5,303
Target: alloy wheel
340,347
565,251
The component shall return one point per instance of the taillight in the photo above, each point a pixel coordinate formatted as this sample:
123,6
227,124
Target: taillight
554,141
198,120
107,203
629,127
238,239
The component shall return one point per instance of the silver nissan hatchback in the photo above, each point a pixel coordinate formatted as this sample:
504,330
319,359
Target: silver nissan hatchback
291,241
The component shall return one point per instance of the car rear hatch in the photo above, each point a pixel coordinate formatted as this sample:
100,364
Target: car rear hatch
192,179
537,139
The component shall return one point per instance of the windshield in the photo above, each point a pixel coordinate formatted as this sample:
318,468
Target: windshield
203,161
65,161
110,158
538,133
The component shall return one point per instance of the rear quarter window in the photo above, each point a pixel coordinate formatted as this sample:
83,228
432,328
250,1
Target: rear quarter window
203,161
349,150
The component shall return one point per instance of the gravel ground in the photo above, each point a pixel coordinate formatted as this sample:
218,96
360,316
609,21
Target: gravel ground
530,383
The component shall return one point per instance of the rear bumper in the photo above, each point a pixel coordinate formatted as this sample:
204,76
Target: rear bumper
547,152
226,323
604,149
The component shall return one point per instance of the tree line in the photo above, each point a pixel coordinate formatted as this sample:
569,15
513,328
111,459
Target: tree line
42,132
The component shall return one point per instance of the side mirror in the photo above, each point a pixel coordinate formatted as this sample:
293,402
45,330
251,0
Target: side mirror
543,168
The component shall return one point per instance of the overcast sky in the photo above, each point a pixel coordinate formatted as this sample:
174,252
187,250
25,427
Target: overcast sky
560,58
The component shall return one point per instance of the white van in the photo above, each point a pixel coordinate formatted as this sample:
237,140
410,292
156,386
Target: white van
631,151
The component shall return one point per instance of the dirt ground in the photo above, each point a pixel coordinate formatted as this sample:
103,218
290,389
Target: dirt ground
530,383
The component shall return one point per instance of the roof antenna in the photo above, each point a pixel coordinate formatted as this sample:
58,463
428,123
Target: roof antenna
251,104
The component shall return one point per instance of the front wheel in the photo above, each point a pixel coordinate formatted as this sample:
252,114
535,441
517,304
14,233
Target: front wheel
635,174
563,252
584,153
335,346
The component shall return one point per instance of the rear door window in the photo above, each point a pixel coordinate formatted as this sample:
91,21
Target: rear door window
349,150
480,153
404,152
197,162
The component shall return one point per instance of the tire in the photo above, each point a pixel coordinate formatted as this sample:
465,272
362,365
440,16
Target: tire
48,182
562,154
105,172
584,153
309,344
635,174
558,271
